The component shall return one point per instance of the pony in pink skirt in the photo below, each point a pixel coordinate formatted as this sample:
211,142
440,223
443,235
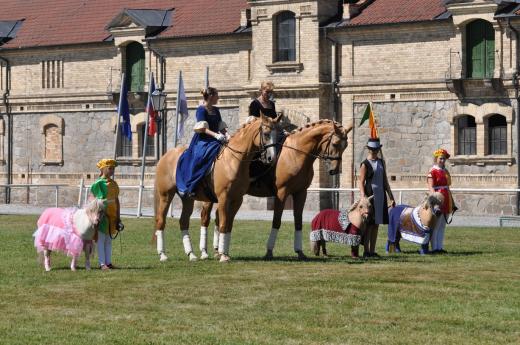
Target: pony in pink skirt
68,230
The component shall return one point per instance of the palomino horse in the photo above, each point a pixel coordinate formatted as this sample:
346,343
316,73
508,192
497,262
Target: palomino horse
228,181
346,227
323,139
68,230
414,224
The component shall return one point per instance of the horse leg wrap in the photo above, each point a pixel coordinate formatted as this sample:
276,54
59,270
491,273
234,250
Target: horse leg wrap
186,241
223,243
160,245
215,238
272,239
203,242
298,241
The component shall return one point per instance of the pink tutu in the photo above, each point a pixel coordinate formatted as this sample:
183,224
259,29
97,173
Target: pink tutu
56,232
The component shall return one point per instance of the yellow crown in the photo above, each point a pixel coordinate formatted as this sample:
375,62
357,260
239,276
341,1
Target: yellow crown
106,163
441,152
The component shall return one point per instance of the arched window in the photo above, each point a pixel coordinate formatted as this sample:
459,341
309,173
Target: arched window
467,135
480,49
497,135
135,67
285,34
150,142
52,130
52,143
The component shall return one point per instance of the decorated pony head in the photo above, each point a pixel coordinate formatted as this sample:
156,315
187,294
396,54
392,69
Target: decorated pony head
430,209
95,210
359,212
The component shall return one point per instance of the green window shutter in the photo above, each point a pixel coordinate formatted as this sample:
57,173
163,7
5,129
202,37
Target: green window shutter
490,52
135,67
480,49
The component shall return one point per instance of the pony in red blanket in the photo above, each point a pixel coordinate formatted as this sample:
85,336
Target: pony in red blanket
68,230
345,227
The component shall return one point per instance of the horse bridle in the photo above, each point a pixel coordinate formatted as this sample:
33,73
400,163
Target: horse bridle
263,146
326,156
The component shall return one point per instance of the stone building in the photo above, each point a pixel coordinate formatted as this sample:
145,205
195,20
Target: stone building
438,73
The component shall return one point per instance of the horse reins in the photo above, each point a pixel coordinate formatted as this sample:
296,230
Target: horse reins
325,157
264,147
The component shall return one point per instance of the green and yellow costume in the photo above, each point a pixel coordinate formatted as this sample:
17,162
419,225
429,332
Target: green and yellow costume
106,188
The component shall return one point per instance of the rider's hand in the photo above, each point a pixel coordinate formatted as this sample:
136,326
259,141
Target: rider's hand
221,137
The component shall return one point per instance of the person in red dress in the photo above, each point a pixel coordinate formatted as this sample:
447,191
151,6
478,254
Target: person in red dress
439,180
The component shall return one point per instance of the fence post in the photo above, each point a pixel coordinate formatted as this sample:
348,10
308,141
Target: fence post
56,188
81,185
139,201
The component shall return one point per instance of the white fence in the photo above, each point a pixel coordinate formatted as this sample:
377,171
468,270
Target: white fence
137,199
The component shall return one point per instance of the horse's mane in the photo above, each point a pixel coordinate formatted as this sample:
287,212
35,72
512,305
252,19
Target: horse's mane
243,126
433,199
314,124
95,206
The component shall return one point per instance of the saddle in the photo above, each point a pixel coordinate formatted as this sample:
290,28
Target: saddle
411,227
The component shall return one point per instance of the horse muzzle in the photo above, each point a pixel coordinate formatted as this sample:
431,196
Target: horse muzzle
437,211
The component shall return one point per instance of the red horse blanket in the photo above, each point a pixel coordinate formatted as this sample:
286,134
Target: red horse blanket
334,226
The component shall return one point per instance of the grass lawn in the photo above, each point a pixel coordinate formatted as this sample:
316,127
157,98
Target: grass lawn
470,296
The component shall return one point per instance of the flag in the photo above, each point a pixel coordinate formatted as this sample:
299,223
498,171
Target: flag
124,111
182,108
369,115
152,113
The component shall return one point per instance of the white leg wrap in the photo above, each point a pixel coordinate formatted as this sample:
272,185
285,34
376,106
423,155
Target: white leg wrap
186,241
272,239
160,241
223,243
203,238
47,260
298,241
215,237
160,245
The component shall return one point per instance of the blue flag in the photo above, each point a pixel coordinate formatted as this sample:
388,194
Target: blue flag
124,111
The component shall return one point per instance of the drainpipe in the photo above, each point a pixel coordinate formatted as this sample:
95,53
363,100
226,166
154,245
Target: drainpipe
516,77
5,100
335,100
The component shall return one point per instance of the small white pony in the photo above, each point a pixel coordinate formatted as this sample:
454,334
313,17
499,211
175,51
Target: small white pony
68,230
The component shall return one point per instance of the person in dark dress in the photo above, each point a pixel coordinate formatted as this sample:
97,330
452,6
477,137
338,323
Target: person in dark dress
263,103
373,181
210,134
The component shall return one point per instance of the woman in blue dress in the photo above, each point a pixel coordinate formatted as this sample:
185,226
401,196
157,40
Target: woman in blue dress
210,134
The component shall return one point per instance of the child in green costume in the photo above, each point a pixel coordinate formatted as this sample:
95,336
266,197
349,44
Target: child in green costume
106,188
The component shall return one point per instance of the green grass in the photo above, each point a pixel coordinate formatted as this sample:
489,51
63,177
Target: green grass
471,296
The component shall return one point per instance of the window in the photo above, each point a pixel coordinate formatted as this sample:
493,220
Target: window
52,130
285,37
480,49
497,135
2,127
52,74
135,67
467,135
150,142
124,145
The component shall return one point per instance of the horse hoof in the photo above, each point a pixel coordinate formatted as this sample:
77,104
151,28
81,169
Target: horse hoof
73,268
224,258
87,266
47,268
162,257
204,256
192,257
269,255
301,256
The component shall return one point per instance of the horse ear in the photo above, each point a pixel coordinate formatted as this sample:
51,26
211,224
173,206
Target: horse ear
278,118
370,198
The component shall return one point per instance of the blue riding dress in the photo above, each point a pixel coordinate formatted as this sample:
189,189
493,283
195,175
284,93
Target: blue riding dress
198,158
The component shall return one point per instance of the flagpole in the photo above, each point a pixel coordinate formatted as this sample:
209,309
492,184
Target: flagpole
177,110
145,143
118,115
